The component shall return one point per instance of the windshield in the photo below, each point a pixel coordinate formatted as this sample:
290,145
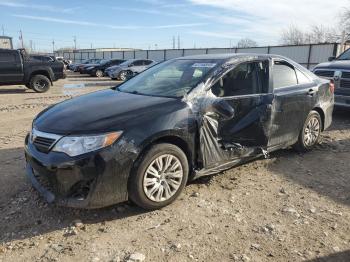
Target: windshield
174,78
345,55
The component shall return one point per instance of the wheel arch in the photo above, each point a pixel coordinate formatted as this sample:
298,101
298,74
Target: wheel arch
322,115
173,139
40,72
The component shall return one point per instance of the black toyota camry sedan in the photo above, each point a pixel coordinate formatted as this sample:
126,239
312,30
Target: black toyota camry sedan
177,121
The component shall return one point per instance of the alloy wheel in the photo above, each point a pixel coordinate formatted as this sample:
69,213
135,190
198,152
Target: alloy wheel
312,131
162,178
123,76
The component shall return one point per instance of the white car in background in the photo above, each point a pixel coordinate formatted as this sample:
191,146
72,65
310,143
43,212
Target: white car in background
129,68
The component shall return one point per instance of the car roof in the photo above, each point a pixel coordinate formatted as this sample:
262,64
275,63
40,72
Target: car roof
229,56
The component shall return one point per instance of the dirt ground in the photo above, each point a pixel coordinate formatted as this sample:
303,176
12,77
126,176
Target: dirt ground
290,207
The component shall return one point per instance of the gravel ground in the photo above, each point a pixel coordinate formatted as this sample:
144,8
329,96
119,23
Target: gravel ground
290,207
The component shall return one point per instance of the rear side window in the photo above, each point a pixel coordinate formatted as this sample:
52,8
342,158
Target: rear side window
7,57
302,78
147,62
138,63
283,75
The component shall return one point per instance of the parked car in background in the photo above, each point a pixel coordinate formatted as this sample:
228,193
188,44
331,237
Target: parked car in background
74,67
338,70
129,68
82,68
177,121
99,70
66,62
37,73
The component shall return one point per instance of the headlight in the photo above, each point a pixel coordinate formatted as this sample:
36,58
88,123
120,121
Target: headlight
78,145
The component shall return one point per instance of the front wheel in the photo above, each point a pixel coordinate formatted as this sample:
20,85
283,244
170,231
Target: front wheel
40,83
124,75
310,134
158,177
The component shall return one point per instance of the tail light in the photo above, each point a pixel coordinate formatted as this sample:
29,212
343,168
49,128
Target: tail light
331,86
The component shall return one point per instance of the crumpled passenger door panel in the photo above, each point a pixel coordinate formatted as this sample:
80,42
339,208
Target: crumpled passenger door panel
224,142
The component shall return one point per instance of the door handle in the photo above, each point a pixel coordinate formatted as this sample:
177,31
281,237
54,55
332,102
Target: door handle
311,92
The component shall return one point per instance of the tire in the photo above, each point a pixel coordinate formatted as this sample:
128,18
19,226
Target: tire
310,134
166,188
123,75
40,83
99,73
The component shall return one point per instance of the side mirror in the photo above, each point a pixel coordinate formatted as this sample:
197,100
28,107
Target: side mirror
331,58
222,108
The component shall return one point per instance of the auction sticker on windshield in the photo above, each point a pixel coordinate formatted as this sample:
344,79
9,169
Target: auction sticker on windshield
208,65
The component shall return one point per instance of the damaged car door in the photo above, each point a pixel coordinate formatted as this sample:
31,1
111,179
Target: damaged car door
236,123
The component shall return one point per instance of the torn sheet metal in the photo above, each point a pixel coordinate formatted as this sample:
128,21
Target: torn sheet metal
231,129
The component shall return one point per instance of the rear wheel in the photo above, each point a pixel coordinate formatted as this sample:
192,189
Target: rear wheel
159,177
310,134
99,73
40,83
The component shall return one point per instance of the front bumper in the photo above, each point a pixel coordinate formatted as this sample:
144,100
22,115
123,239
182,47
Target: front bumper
94,180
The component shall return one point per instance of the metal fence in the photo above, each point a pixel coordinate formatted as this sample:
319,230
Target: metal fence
306,55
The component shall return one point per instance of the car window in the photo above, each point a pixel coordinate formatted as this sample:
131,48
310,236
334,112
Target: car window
244,79
345,55
7,57
147,62
138,63
302,78
283,75
174,78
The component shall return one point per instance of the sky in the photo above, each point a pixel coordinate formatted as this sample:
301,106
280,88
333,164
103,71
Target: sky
152,24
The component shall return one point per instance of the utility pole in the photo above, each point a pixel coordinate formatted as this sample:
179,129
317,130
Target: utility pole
3,30
178,42
21,38
31,45
91,46
173,42
53,45
75,42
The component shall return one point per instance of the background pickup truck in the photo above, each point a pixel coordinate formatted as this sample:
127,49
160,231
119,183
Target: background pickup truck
16,68
338,70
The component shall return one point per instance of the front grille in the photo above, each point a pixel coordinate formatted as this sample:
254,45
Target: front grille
345,84
345,75
324,73
43,144
43,141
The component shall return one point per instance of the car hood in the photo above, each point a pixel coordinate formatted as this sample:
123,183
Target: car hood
103,111
336,64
